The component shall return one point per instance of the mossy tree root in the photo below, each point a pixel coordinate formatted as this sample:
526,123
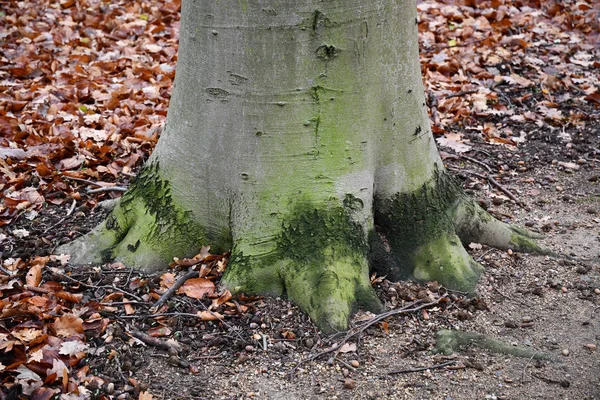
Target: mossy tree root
317,254
145,229
422,235
319,261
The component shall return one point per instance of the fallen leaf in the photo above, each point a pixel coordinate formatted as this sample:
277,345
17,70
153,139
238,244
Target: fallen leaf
197,288
145,396
34,275
68,325
159,331
72,348
209,316
347,348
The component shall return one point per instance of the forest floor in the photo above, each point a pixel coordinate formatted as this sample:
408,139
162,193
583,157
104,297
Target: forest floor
76,330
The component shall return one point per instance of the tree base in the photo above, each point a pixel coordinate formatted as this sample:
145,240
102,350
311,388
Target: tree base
320,257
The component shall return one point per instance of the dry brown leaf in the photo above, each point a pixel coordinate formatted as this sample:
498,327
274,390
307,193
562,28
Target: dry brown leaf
197,288
225,297
145,396
209,316
34,275
67,326
159,331
347,348
167,280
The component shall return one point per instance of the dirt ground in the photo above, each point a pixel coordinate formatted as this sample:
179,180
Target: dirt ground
543,303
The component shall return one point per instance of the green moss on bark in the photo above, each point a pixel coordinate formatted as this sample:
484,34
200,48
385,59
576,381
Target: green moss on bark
149,226
407,221
319,262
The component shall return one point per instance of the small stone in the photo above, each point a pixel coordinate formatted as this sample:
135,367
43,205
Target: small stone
309,343
249,348
590,346
582,270
330,361
242,358
509,252
597,290
253,325
349,383
497,200
110,388
510,324
355,363
564,289
565,352
538,291
559,188
256,336
526,319
280,347
345,372
174,361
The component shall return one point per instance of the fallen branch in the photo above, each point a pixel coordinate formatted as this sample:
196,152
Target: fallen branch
420,369
192,273
494,182
170,347
460,94
361,328
107,189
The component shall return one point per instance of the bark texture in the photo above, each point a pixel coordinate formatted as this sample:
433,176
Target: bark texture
298,136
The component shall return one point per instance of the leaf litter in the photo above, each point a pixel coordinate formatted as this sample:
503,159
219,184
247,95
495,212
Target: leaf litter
83,101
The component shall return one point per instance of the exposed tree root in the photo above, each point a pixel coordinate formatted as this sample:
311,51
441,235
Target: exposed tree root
320,256
449,342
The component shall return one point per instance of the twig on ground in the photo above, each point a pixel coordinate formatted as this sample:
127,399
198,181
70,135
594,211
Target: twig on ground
102,187
460,94
526,365
417,305
510,298
505,190
118,362
85,285
70,210
72,178
494,182
447,46
350,367
107,189
437,366
474,160
7,272
170,347
192,273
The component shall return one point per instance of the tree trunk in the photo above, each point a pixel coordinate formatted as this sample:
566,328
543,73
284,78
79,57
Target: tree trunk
298,137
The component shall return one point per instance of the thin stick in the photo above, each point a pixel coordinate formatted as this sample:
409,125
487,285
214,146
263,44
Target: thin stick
473,160
527,365
361,328
505,190
437,366
192,273
70,211
85,285
81,180
107,189
171,347
494,182
460,94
